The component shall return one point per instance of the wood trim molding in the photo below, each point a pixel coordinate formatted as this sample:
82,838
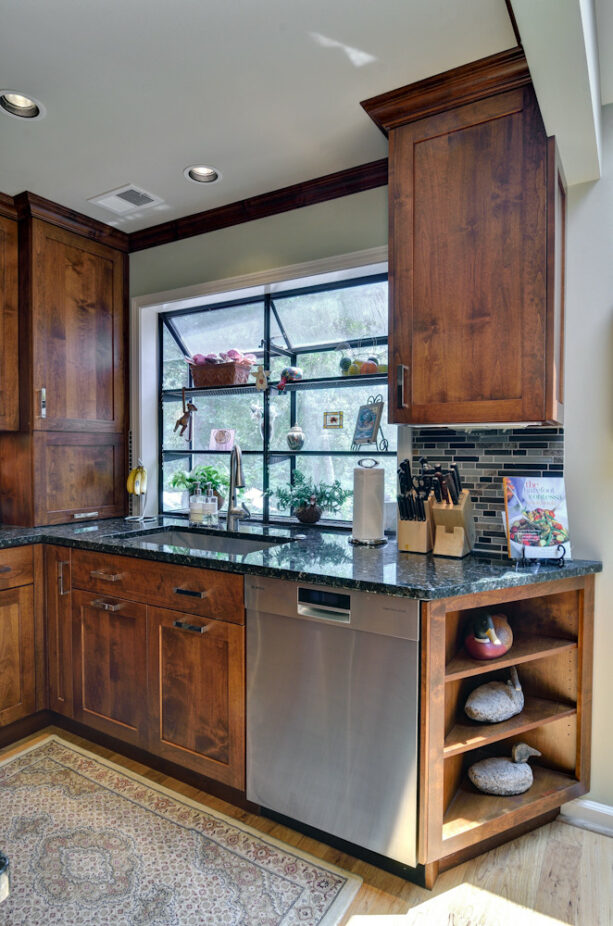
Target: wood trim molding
30,205
319,190
7,206
507,70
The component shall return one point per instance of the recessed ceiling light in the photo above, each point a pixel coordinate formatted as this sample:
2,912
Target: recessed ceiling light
199,173
21,106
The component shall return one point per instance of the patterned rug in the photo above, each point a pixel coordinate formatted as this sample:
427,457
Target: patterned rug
90,843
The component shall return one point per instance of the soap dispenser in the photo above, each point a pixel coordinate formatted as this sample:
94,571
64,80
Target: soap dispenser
196,507
209,507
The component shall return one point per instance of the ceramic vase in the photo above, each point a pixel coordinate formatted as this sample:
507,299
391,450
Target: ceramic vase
295,438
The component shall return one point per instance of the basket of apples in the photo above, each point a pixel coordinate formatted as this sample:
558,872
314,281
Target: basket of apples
230,368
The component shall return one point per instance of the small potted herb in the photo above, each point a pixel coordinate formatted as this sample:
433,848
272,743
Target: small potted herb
307,499
201,476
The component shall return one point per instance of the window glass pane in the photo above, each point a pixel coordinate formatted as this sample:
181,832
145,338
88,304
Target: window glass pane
175,371
336,315
278,475
253,495
311,405
328,468
211,331
240,413
175,500
171,440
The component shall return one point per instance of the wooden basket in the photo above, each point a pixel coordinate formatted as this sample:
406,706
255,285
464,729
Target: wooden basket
219,374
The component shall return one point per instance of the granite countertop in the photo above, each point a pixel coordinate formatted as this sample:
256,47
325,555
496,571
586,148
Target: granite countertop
308,554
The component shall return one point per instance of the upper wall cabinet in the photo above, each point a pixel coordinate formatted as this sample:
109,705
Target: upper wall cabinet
9,351
75,295
476,249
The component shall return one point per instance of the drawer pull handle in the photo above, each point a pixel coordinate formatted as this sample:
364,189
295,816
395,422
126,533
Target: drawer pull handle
60,578
183,625
107,605
189,592
400,375
108,577
5,568
81,515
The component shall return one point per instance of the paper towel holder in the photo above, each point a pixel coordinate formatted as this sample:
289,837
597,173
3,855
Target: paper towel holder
367,463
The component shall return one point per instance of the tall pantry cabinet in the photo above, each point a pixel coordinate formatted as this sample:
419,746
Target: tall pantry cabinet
67,462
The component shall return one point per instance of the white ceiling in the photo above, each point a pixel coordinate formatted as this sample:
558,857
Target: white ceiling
267,91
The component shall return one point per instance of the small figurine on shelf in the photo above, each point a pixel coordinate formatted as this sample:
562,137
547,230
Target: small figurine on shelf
261,378
505,776
185,421
490,636
289,375
496,701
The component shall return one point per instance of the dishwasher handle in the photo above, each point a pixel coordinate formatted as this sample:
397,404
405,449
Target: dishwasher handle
322,604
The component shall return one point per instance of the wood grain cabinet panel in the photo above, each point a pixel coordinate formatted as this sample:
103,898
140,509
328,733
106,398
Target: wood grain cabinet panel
77,329
17,657
109,665
9,347
58,609
197,693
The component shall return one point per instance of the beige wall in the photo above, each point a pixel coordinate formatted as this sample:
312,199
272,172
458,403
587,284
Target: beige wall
341,226
589,426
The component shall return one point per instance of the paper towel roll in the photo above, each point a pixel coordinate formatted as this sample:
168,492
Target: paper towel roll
368,502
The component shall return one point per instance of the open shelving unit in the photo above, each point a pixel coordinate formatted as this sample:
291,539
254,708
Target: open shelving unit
552,650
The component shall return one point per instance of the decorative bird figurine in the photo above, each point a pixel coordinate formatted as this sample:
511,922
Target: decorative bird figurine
502,775
490,636
496,701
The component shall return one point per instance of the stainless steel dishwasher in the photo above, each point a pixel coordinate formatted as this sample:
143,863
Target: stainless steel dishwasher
332,711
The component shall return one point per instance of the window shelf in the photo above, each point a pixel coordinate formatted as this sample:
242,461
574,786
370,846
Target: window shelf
324,382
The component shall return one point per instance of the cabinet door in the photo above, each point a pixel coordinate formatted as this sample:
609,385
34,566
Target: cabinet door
468,265
9,347
109,665
78,476
197,693
17,665
59,629
77,331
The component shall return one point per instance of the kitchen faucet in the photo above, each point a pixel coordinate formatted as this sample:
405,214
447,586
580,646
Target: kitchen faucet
237,481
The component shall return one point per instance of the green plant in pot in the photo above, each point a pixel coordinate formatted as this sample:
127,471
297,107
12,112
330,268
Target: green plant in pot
201,476
307,499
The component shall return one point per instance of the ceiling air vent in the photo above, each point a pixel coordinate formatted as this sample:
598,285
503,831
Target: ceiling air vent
126,199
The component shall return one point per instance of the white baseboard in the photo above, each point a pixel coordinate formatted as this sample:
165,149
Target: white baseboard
589,816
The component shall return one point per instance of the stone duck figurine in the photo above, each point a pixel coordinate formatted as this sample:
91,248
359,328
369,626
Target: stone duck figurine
496,701
490,636
505,776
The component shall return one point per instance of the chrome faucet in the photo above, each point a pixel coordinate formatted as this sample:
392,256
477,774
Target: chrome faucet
237,481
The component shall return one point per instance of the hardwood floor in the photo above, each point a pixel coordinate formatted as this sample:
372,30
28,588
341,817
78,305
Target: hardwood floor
558,870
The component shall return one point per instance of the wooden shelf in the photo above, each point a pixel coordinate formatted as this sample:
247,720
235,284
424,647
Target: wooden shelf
469,734
525,648
471,809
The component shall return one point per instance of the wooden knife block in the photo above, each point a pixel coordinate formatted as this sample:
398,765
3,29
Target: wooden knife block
454,527
417,536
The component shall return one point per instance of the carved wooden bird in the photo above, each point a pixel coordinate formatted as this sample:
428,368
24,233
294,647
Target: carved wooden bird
490,636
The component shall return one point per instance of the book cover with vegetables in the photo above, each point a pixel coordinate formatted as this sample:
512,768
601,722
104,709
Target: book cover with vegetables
536,517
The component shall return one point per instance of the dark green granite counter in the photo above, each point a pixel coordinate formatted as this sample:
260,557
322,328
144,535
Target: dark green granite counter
311,555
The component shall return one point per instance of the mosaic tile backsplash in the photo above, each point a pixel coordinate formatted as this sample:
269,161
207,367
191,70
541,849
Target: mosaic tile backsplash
483,458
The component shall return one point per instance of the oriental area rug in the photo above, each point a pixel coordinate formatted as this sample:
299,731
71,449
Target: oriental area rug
91,843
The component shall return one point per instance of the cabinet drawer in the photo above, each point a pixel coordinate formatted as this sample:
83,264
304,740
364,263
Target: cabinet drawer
16,567
204,592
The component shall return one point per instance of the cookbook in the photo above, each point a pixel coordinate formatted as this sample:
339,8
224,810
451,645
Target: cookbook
535,516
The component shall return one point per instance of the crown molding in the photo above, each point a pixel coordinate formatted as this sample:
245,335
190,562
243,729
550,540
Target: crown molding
29,205
507,70
7,206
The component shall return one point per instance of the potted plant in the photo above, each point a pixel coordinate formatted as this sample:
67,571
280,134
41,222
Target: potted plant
200,476
307,499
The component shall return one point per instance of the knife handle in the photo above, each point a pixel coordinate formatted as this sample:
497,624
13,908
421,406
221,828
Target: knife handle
401,371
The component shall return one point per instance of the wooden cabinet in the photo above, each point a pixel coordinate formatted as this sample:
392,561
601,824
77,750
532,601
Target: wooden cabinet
58,611
69,459
76,304
17,636
9,346
196,693
552,650
109,665
476,249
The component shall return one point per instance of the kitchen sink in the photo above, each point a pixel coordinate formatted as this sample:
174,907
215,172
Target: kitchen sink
213,543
